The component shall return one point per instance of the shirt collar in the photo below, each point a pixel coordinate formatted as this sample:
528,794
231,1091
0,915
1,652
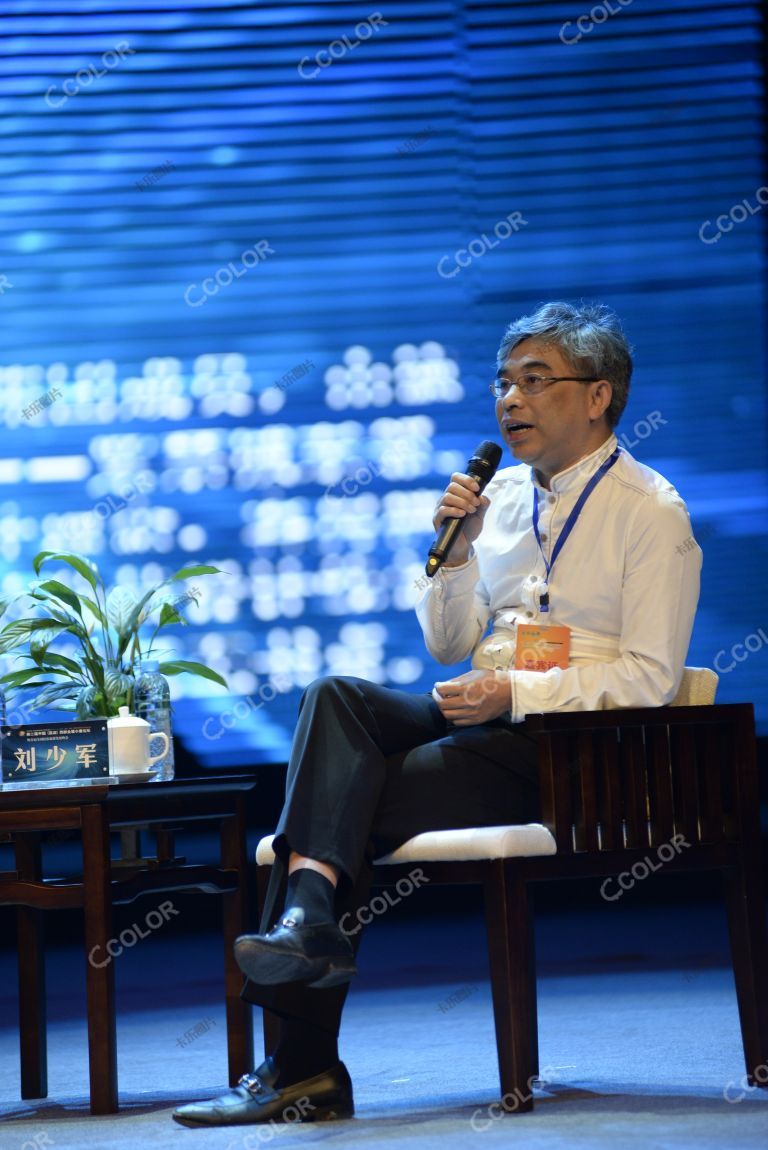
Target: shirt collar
575,476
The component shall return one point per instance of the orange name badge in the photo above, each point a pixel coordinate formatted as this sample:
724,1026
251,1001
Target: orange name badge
541,647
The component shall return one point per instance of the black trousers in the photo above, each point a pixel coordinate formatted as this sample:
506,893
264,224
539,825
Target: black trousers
370,767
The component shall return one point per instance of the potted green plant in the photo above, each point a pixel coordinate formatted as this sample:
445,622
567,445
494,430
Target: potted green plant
108,626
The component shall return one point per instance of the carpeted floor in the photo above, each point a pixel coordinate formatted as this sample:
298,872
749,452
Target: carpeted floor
639,1041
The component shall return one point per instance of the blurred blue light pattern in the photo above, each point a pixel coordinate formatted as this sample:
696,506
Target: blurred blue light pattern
249,317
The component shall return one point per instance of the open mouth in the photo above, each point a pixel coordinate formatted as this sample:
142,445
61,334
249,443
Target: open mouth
516,428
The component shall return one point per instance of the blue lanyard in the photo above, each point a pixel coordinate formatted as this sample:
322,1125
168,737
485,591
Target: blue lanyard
569,523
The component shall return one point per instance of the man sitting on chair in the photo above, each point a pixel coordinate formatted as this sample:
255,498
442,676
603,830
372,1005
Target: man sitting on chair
583,562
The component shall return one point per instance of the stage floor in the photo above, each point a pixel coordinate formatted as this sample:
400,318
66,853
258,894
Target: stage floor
639,1043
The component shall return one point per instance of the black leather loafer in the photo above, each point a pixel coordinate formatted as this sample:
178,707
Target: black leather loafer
320,1099
292,951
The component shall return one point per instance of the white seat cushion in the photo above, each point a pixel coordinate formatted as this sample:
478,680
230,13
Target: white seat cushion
465,845
697,688
265,856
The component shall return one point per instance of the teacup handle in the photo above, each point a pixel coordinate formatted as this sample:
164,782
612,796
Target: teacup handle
166,744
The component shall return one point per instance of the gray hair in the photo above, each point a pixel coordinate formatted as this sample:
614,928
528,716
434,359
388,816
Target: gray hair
591,339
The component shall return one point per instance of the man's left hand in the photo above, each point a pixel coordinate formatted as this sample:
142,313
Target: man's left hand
475,697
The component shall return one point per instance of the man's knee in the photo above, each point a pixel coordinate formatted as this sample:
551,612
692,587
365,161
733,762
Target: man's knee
328,686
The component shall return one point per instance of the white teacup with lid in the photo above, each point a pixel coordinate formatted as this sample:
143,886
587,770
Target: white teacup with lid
128,738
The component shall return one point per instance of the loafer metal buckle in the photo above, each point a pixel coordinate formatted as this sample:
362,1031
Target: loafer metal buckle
252,1084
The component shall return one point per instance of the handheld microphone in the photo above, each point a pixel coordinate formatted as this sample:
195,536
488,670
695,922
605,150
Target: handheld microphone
481,467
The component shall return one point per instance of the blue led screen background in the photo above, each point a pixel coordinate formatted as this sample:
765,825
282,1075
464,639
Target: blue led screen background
229,237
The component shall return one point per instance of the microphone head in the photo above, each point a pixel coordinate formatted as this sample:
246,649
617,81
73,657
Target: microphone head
485,459
482,467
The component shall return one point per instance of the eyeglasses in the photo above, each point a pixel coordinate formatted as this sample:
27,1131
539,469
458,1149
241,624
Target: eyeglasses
533,384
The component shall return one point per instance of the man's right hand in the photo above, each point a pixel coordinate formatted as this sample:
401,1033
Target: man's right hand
461,500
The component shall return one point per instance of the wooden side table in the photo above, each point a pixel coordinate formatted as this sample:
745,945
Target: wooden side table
97,812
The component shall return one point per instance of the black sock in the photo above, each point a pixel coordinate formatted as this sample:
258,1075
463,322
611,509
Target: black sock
303,1051
313,892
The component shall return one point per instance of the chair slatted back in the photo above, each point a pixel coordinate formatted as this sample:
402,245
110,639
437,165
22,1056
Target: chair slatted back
615,780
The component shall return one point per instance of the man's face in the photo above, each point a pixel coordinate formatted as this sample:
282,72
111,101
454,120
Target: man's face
564,421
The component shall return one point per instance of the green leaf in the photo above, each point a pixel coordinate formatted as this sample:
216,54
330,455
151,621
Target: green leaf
95,610
80,564
62,615
39,644
94,668
38,651
120,607
40,558
29,625
191,596
134,619
52,664
60,664
52,693
62,592
136,616
36,687
85,702
19,678
14,634
169,614
190,572
179,666
117,682
6,603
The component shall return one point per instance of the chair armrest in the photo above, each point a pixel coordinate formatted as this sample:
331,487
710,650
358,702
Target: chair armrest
553,721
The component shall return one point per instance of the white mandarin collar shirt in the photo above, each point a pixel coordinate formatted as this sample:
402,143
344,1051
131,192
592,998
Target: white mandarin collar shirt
626,583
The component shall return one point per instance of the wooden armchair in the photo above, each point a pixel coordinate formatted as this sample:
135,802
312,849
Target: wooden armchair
674,785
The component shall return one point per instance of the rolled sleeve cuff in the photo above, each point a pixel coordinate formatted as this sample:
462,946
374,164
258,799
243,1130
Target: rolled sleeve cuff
531,692
456,581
